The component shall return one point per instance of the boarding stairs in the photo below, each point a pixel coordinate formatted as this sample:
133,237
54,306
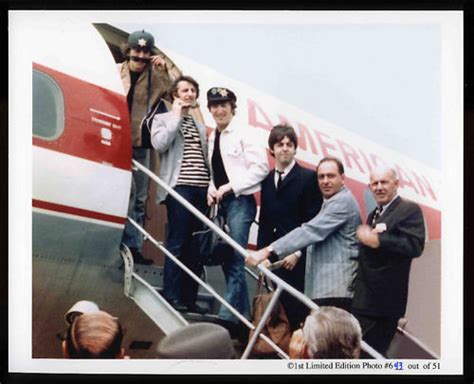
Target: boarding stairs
142,284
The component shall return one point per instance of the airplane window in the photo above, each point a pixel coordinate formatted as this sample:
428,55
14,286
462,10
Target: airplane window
48,107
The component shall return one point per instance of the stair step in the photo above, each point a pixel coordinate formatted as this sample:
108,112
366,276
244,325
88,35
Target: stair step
196,317
203,299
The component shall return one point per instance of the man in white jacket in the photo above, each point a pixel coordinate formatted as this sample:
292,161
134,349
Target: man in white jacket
238,166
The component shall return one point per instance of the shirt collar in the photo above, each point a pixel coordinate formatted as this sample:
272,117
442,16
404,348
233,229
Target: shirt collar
287,170
384,207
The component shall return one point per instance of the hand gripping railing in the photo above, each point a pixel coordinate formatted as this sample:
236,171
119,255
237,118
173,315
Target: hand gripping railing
281,285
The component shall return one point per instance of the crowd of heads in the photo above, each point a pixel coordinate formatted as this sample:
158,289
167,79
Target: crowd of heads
327,333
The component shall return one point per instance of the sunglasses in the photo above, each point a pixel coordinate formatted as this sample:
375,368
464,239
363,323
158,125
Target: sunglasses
140,59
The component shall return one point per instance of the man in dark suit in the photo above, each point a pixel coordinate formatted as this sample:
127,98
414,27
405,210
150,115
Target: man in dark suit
290,196
393,236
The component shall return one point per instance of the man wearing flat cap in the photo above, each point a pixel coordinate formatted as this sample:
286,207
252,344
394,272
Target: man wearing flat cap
238,166
197,341
145,80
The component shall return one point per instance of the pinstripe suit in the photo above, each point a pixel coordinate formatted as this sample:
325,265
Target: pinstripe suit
331,261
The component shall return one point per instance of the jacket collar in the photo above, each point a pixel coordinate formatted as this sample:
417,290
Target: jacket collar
391,206
126,72
291,175
289,168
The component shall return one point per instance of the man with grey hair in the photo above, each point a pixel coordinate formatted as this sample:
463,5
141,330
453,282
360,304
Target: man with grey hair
393,236
327,333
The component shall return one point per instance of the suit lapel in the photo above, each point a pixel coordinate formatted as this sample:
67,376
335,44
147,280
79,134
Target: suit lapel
387,212
287,180
390,209
270,181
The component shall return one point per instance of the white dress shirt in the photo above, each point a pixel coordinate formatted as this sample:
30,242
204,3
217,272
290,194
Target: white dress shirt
286,171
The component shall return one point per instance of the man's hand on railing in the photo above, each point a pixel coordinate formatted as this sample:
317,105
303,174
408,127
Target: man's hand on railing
271,266
290,261
266,263
256,257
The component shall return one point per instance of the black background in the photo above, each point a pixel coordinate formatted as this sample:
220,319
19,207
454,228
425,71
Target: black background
467,6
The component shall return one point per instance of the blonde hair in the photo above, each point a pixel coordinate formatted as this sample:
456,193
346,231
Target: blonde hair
332,333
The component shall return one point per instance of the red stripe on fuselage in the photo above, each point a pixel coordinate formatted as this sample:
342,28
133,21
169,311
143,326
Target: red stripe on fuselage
86,107
77,211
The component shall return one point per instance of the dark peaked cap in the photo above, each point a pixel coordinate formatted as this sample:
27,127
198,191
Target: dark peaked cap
197,341
220,94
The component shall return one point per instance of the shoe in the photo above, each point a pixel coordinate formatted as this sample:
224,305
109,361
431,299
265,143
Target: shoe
138,258
197,309
178,305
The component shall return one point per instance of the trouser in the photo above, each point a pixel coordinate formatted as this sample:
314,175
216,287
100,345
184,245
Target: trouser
378,332
177,284
239,213
131,236
295,310
339,302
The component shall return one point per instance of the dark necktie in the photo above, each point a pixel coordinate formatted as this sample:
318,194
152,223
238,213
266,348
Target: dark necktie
279,179
377,213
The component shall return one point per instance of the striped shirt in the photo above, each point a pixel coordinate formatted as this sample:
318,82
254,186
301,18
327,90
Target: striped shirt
194,170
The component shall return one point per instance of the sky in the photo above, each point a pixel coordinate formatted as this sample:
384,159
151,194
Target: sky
381,81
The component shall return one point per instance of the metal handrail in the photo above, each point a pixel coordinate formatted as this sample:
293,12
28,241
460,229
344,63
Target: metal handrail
262,322
281,284
206,286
